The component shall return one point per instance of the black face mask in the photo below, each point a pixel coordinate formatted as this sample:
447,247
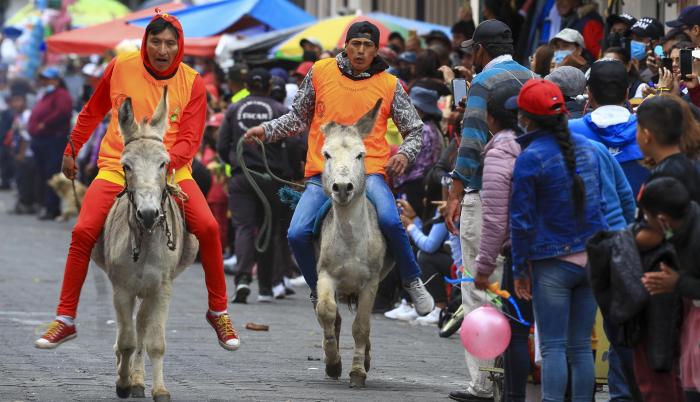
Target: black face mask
310,55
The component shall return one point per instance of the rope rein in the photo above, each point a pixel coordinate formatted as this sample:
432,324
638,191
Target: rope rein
262,240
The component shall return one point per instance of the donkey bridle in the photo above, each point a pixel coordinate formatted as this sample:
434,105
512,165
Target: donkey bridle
139,230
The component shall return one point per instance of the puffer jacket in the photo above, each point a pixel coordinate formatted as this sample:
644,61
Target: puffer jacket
499,158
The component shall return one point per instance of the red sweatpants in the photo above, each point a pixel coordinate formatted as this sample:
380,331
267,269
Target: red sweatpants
96,205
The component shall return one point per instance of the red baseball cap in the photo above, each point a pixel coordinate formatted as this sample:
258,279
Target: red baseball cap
539,97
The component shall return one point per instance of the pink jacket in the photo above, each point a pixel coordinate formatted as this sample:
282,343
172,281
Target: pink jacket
499,158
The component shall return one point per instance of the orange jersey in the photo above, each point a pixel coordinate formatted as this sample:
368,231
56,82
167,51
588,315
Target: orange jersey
126,76
344,101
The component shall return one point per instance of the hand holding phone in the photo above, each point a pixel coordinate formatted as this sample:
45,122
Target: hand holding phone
459,90
686,63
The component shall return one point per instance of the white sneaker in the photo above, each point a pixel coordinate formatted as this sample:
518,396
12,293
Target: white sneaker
231,261
265,298
401,309
409,315
430,319
420,297
278,291
298,282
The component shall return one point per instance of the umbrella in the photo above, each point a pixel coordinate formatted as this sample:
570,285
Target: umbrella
330,32
83,12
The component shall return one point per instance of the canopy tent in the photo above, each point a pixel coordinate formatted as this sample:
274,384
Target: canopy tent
103,37
233,15
83,13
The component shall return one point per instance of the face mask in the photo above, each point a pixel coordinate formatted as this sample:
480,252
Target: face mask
50,88
638,50
560,55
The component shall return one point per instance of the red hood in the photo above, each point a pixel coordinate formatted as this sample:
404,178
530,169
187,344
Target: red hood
180,47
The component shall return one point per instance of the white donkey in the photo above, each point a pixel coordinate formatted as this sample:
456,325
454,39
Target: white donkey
143,247
352,257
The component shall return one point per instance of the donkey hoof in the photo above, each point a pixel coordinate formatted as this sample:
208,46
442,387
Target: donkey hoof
123,392
161,397
334,370
138,391
357,380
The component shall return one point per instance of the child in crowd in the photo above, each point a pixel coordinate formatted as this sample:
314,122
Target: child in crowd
670,214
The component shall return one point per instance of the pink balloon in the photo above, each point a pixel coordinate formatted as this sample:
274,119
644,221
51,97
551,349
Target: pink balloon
485,333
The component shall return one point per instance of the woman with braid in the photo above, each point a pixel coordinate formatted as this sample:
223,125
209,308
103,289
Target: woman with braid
555,206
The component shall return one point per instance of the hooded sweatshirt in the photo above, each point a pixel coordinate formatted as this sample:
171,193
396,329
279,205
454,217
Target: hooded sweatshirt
616,128
131,74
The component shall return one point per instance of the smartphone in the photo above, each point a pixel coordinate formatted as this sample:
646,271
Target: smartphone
667,63
459,90
686,63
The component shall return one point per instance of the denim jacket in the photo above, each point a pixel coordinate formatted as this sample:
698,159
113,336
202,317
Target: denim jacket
543,223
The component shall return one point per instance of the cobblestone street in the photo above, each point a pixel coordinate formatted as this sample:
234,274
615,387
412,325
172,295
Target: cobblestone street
410,363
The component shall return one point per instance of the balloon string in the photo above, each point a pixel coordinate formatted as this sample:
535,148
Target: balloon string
493,295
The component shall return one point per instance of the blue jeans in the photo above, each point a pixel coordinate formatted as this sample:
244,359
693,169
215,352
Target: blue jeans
565,313
301,228
48,156
620,366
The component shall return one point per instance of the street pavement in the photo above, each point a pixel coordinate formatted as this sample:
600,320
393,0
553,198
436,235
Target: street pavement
409,362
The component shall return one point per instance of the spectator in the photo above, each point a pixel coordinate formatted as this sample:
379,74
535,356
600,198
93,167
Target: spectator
245,207
568,46
620,23
411,181
541,61
407,66
503,11
689,22
435,260
437,36
561,14
645,35
499,157
572,83
493,48
301,71
555,208
461,31
635,87
49,126
611,123
397,42
217,196
671,213
427,73
13,122
659,136
312,49
236,82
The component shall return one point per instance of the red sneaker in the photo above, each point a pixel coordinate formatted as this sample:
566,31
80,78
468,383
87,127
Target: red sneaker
57,333
228,338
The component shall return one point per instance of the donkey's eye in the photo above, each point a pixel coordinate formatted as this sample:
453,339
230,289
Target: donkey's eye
127,168
360,156
326,155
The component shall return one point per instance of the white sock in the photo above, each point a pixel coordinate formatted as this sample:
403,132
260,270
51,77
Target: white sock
65,319
219,313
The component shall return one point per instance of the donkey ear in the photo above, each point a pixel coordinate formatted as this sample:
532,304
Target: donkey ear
366,123
127,123
160,119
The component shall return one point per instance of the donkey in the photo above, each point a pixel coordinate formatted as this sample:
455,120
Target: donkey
143,247
352,251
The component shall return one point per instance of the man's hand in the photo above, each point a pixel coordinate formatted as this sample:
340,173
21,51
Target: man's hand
396,165
660,282
653,62
454,206
481,281
69,168
523,288
447,74
691,81
255,132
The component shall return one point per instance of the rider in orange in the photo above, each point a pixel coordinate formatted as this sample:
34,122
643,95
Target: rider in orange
142,76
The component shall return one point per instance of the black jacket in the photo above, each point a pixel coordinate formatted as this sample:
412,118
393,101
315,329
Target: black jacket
682,169
247,113
686,240
615,270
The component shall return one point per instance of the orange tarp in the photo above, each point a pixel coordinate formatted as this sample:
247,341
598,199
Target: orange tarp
99,38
